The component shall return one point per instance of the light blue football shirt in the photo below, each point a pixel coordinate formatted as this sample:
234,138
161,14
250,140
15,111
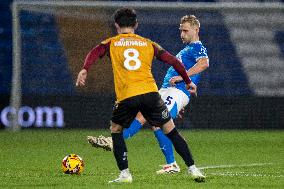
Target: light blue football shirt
189,57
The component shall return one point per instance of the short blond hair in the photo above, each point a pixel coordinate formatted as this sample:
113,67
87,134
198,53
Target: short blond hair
191,19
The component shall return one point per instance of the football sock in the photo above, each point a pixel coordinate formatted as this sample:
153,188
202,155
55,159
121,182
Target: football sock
192,168
165,145
119,150
132,130
181,146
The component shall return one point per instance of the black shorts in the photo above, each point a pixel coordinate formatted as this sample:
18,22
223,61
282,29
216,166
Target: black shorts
150,105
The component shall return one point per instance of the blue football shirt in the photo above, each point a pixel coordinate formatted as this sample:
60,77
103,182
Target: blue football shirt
189,57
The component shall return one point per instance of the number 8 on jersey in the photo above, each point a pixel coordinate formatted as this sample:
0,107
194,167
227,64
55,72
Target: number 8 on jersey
131,55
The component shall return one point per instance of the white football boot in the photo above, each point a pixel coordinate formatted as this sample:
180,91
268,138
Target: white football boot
169,168
124,177
196,174
101,142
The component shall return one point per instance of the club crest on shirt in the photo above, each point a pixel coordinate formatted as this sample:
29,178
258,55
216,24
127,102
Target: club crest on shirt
165,114
115,106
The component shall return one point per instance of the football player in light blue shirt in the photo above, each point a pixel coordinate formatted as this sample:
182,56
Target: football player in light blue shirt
195,59
173,92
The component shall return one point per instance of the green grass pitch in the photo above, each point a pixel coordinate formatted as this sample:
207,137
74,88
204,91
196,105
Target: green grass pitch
229,158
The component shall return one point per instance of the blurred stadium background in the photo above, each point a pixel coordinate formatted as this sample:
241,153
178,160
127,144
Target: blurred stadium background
242,89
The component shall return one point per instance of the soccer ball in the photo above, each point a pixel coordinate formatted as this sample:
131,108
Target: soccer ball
72,164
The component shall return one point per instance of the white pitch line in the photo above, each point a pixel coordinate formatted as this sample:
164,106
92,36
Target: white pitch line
235,165
230,174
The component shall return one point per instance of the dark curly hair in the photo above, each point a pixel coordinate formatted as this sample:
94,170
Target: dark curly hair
125,17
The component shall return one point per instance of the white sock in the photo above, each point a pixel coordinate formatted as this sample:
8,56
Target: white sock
192,168
125,171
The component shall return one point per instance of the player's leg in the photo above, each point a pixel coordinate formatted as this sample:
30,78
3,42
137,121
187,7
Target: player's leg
175,100
135,126
106,142
158,114
168,152
182,149
120,153
123,114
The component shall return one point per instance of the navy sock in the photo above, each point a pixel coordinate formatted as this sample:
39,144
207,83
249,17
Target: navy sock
181,147
132,130
119,150
165,145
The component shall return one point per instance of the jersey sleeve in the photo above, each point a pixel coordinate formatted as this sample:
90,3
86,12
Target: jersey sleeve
98,52
158,50
200,52
107,41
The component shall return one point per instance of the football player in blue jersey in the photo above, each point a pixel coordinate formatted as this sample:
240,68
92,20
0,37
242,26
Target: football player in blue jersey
173,92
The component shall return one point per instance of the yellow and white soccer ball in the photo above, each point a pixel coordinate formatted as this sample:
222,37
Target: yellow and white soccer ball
72,164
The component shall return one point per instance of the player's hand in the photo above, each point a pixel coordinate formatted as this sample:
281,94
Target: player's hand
175,79
192,88
81,79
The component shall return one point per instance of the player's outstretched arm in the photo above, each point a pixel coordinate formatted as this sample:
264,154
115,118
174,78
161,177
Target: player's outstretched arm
81,78
201,65
92,57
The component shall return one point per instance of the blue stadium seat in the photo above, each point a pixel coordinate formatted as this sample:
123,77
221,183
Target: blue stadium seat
44,65
279,37
5,47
